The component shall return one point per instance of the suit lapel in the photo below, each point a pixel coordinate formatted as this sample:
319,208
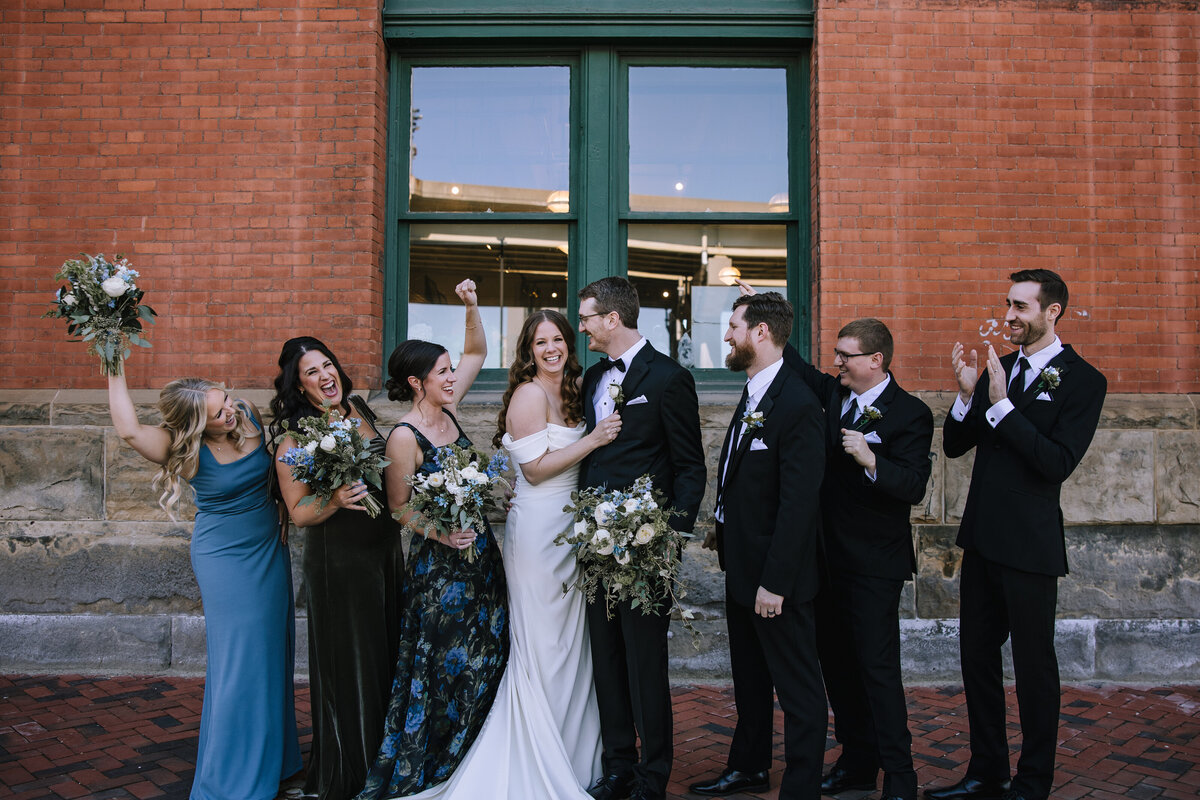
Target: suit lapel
881,404
638,369
589,391
765,405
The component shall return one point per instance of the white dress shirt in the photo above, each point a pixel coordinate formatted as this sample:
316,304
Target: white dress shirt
601,400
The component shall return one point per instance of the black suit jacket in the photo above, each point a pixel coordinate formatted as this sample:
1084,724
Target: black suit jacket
866,527
659,437
1013,516
770,497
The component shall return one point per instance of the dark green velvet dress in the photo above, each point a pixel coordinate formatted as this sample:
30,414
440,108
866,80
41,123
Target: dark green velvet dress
353,570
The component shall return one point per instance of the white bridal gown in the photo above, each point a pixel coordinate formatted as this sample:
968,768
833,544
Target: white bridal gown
542,736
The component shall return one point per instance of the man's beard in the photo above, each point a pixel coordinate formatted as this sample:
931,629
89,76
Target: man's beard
739,358
1030,333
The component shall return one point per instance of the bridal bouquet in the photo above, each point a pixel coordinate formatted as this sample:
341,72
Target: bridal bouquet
460,493
626,548
329,453
102,305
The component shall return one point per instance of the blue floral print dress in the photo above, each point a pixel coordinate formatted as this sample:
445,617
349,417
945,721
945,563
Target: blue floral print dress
453,651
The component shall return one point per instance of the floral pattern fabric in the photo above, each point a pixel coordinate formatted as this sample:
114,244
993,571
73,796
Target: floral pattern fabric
453,651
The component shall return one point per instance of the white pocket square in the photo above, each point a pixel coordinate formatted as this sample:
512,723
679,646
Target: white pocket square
873,436
1044,396
641,398
758,444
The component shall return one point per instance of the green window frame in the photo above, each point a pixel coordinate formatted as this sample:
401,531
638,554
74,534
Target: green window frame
598,44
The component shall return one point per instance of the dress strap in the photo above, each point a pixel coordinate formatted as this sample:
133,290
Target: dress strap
365,412
453,419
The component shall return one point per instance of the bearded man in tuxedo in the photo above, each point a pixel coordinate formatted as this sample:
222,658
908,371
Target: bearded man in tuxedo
766,540
1030,417
660,437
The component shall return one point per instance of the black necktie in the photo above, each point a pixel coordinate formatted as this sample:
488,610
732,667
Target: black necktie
609,363
848,417
734,427
1017,387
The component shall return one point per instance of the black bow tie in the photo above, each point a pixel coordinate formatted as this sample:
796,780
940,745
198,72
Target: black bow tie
609,363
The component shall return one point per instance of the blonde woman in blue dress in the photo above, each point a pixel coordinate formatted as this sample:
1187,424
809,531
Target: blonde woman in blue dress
248,739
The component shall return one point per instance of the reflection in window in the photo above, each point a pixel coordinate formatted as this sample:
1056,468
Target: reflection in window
684,277
708,139
517,269
489,139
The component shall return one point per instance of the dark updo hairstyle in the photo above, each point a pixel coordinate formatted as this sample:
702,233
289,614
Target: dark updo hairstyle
524,368
412,358
289,403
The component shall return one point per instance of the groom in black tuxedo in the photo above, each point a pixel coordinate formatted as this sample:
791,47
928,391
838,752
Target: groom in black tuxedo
876,468
660,437
766,538
1030,417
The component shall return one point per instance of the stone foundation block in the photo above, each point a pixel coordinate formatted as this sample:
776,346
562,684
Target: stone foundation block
105,644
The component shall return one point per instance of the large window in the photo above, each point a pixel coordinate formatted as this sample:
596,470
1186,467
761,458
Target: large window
536,168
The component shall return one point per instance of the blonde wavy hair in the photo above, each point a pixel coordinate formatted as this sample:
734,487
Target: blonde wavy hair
183,404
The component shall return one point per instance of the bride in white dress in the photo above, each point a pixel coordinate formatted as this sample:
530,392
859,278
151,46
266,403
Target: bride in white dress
541,739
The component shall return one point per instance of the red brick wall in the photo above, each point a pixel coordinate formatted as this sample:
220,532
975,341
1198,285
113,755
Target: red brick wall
232,149
959,141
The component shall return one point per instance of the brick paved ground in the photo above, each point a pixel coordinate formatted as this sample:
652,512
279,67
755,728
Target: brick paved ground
69,737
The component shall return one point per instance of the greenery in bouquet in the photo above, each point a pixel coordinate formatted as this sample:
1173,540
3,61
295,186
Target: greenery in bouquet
626,548
103,307
458,493
330,452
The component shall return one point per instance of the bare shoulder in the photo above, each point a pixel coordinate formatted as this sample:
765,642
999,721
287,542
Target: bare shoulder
528,396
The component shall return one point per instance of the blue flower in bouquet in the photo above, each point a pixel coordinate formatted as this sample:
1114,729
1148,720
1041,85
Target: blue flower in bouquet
497,465
300,460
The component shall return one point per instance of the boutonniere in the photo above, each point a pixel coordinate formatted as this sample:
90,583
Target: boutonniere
869,414
753,420
1049,379
617,393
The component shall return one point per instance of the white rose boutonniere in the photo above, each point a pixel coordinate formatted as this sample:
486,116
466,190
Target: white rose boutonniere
616,393
1049,379
869,414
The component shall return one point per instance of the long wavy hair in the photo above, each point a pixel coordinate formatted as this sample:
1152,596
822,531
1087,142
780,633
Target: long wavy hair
183,404
524,368
289,403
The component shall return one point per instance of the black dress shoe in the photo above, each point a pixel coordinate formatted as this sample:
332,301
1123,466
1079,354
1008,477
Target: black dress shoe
1011,795
612,786
642,791
732,781
839,780
970,789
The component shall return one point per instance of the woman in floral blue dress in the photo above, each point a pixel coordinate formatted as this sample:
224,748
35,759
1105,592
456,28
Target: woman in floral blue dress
454,640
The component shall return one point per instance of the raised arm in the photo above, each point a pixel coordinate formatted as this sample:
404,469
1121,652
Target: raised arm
150,441
475,342
528,413
294,491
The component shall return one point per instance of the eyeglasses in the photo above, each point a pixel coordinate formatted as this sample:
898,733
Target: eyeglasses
847,356
582,317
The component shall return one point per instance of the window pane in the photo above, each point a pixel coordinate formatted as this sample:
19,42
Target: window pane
707,139
517,269
684,277
490,139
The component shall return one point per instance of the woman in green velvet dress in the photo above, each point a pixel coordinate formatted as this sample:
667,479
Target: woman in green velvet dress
353,576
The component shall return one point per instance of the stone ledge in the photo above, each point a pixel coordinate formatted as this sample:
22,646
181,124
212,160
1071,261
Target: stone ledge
1119,650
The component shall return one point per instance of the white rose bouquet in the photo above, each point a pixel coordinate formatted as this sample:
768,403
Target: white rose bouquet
102,305
626,548
329,453
459,493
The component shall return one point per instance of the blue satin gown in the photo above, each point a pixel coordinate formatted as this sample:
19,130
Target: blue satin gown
248,739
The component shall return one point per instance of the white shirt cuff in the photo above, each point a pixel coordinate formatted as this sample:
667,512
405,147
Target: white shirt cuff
999,412
871,476
959,409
